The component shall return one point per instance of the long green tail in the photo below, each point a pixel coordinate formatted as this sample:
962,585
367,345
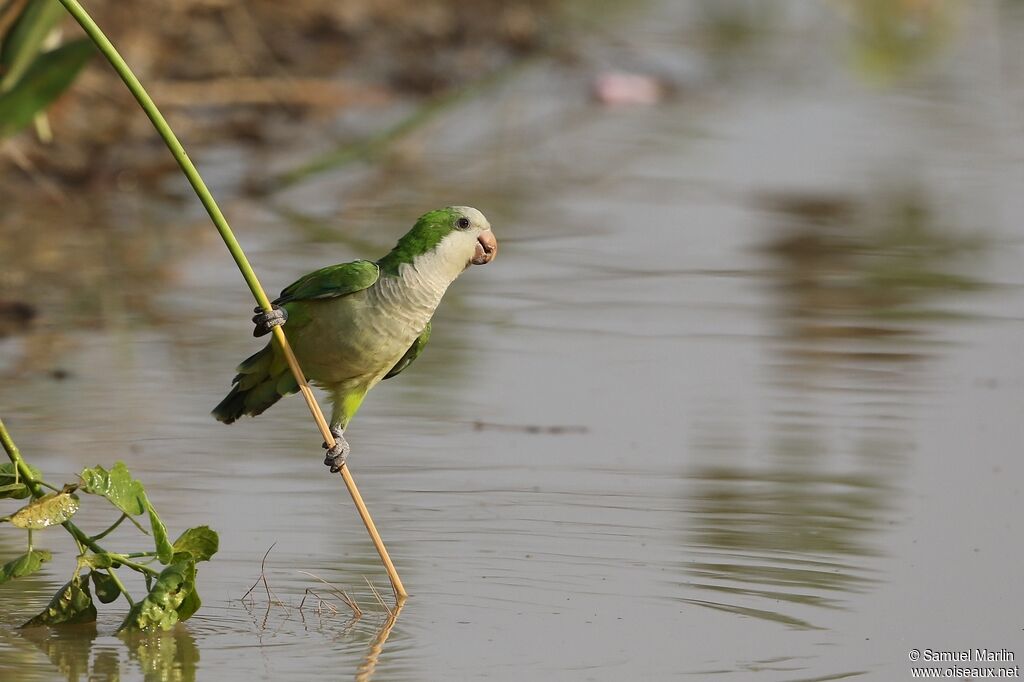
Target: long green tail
262,380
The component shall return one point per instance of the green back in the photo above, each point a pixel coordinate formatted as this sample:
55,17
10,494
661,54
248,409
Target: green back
331,282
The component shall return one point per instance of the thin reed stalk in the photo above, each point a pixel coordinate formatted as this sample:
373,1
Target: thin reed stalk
220,222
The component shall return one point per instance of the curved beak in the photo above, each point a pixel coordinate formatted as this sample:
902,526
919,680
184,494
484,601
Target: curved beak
486,248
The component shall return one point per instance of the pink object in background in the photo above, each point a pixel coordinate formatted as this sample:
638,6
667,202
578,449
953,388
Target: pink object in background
627,88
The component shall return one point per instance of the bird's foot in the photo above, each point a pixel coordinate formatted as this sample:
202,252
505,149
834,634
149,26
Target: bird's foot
336,455
265,321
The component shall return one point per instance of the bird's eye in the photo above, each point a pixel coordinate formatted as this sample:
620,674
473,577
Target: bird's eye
462,223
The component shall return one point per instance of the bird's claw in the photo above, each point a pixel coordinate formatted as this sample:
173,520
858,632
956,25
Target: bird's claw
336,455
267,320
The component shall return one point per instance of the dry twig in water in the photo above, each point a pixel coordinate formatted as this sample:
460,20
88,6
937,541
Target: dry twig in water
380,600
342,595
271,597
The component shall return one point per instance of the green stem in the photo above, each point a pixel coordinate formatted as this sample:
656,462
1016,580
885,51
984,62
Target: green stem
141,568
160,123
19,464
117,581
82,538
111,529
189,169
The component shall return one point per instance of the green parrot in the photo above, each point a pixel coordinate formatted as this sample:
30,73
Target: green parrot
355,324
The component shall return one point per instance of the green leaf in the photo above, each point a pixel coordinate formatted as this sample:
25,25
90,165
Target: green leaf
128,495
11,485
26,37
26,564
44,81
107,589
164,550
201,542
48,510
118,486
189,605
159,610
72,604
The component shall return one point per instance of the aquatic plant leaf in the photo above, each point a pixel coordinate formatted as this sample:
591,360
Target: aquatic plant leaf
189,605
26,564
44,81
72,604
128,495
201,542
159,610
49,510
107,589
117,485
164,550
23,41
11,485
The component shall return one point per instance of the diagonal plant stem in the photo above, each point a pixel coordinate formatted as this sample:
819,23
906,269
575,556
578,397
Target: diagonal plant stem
220,222
111,528
117,581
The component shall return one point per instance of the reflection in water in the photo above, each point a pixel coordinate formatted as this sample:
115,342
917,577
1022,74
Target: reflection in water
168,657
369,665
337,615
79,654
75,653
857,282
856,272
69,649
784,533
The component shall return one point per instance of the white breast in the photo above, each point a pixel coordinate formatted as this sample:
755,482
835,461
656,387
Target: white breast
416,292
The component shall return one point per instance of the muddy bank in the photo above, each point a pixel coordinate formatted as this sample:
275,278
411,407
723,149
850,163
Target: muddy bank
250,72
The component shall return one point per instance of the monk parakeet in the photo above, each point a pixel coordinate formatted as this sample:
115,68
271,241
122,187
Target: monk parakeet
354,324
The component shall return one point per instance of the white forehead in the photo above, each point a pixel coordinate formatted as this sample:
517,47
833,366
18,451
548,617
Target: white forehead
475,217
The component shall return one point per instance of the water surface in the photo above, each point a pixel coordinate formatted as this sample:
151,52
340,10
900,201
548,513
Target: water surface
740,397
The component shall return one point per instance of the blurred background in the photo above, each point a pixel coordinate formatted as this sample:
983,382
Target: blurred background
740,397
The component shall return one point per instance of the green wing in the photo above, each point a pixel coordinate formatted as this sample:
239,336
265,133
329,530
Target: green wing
331,282
414,351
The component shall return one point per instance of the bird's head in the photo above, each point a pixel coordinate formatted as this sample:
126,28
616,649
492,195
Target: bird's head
459,236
